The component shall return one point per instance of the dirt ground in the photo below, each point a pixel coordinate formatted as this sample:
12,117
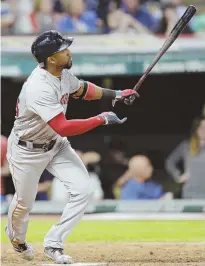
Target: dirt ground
118,254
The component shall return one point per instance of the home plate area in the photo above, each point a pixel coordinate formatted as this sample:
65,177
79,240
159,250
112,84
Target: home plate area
79,264
116,254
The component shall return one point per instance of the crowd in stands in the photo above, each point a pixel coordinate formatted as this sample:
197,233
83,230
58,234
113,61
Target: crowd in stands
30,17
114,176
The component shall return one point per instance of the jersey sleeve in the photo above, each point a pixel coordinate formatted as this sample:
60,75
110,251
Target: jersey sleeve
44,102
74,82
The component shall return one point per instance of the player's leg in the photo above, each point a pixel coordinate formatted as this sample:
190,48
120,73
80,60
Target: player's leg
26,168
68,167
26,186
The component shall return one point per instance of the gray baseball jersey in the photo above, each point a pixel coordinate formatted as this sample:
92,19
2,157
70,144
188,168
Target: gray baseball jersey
43,96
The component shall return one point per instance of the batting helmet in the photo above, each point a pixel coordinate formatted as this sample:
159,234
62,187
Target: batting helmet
49,43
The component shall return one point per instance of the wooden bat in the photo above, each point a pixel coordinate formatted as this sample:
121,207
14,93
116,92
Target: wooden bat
178,28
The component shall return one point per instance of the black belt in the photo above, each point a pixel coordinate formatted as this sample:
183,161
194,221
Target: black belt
46,147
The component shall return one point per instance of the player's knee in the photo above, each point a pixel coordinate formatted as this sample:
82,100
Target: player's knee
87,190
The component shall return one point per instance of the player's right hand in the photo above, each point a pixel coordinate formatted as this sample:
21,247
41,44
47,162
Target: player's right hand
111,118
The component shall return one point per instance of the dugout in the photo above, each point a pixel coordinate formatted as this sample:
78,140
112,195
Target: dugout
165,109
156,123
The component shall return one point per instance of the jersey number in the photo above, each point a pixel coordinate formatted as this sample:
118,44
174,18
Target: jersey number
17,108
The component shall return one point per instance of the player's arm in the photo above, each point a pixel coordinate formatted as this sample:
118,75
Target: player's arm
89,91
46,105
73,127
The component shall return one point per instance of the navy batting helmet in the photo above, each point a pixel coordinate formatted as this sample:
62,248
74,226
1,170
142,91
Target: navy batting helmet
49,43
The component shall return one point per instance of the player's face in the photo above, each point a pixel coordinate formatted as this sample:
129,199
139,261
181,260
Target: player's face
63,59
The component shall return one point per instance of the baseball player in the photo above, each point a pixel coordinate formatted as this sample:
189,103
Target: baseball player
38,141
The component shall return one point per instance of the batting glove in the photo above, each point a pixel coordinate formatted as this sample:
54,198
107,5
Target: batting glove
111,118
127,96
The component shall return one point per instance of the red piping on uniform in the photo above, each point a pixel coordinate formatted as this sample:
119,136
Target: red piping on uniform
73,127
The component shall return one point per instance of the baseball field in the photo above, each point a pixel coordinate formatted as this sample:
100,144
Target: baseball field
144,243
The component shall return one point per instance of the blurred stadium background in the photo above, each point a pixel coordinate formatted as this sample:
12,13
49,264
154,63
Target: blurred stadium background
114,43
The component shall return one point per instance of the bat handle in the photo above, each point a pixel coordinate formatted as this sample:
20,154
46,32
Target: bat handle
139,83
136,87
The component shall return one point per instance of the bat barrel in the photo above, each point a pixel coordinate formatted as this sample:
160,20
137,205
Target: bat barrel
178,28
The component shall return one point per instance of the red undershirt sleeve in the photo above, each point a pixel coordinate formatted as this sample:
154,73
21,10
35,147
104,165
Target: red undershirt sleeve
73,127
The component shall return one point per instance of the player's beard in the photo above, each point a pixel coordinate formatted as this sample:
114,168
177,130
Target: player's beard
68,65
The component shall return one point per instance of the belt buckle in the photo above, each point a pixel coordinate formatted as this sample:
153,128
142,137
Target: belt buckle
29,145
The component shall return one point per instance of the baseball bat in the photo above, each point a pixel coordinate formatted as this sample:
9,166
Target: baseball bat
178,28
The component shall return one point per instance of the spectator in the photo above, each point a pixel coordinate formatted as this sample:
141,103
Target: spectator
77,19
168,20
7,17
58,6
43,16
58,10
24,20
192,153
93,4
180,7
102,10
140,13
113,165
178,4
137,183
4,165
44,186
119,21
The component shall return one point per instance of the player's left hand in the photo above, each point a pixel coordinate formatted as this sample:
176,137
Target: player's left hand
127,96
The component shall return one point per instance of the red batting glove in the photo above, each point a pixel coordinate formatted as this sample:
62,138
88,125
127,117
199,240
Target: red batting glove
127,96
127,93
